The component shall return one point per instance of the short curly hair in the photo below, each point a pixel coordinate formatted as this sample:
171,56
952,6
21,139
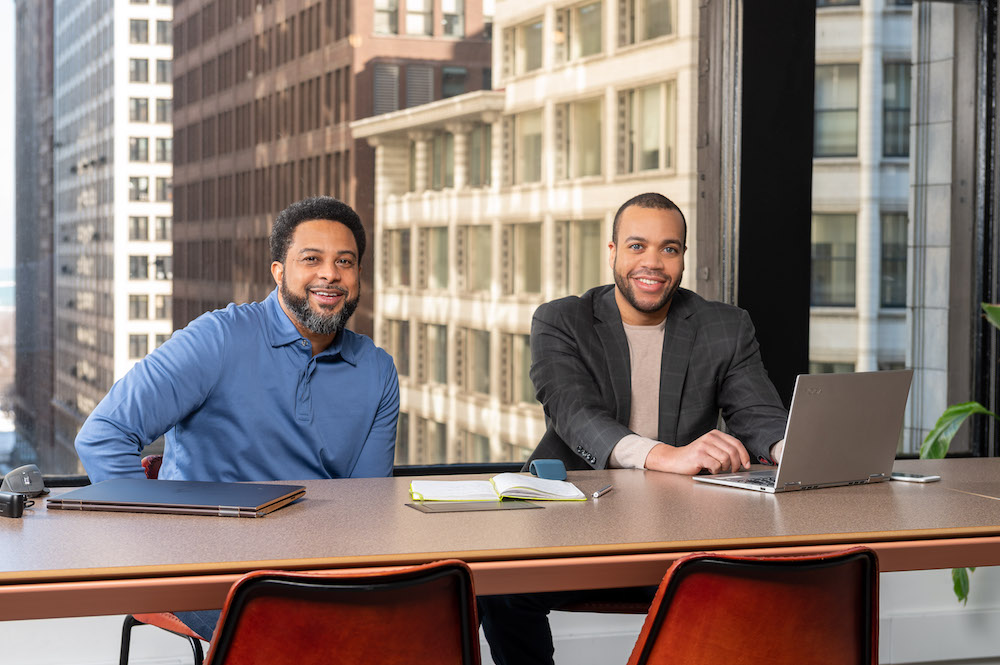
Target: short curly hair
317,207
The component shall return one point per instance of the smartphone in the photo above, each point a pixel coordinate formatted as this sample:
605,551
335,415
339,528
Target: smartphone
913,477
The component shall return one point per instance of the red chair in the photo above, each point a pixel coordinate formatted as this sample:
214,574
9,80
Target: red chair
715,609
419,614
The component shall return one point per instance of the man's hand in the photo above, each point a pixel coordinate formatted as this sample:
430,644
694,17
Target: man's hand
776,450
715,452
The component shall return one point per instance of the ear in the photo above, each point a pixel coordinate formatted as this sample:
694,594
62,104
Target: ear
612,250
277,270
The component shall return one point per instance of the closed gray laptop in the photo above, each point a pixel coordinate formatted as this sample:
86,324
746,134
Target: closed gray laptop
843,429
182,497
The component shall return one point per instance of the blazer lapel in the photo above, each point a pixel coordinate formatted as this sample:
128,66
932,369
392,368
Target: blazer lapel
678,340
612,335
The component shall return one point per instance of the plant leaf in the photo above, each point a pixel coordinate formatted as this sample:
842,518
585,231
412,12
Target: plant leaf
936,444
960,580
992,314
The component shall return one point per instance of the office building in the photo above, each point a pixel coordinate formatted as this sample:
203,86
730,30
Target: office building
112,199
264,92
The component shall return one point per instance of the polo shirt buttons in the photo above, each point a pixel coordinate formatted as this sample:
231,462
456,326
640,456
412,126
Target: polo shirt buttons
304,343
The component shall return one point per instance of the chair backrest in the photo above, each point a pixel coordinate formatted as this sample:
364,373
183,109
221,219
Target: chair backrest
776,610
419,614
151,465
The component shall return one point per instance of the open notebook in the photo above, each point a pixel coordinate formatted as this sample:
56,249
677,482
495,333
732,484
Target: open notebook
843,429
500,486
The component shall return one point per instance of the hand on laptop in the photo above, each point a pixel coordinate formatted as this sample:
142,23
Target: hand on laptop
776,450
715,452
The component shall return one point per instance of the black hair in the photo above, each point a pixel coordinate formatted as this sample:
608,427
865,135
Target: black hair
649,200
317,207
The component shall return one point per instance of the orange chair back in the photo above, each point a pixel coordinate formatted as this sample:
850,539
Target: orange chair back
421,614
715,609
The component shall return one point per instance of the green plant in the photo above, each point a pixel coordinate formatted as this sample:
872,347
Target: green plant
938,441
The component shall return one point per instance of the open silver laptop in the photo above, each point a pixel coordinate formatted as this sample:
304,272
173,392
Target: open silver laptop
843,429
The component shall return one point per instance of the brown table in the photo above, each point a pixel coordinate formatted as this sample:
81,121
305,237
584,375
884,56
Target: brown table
57,563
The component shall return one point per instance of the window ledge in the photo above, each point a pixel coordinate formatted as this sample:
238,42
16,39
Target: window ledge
650,173
655,41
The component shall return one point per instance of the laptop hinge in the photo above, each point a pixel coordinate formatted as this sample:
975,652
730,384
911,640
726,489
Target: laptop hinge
796,485
229,511
876,476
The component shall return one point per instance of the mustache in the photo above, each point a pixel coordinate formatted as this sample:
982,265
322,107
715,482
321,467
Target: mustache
327,287
649,273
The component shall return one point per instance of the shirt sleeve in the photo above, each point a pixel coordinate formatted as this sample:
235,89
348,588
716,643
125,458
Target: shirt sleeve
378,453
151,398
631,452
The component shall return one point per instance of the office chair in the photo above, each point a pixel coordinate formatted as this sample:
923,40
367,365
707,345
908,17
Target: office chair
714,609
419,614
165,620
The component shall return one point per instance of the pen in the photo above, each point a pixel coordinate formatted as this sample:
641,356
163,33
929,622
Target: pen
601,492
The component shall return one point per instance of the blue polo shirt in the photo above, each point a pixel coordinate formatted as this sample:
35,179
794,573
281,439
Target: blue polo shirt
241,397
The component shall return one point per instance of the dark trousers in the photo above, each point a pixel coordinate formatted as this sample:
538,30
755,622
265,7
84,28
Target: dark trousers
517,626
202,622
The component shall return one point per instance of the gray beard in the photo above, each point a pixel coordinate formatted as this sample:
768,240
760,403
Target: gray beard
317,322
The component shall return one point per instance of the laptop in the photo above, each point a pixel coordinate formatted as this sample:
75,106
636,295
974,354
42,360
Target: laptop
843,429
179,497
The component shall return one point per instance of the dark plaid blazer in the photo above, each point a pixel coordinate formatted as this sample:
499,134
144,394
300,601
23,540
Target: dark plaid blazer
711,365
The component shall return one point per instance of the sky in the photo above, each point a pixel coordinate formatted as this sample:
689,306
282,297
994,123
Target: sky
7,29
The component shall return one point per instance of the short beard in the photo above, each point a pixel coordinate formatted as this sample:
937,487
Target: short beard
317,322
623,284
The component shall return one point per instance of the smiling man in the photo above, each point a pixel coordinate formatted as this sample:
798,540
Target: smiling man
636,375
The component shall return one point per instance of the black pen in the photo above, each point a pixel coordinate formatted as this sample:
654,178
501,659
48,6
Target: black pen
601,492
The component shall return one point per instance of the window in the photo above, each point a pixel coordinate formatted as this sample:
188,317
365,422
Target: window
403,438
582,148
164,308
138,346
475,447
578,31
419,17
836,127
478,361
435,439
386,82
443,161
528,49
524,389
164,71
419,85
138,267
435,263
896,110
480,155
645,19
138,228
164,111
893,268
452,81
164,267
164,189
138,149
160,339
163,225
584,255
525,263
399,257
138,31
164,32
138,109
165,150
833,259
837,3
528,165
816,367
646,118
453,17
138,307
138,70
478,258
436,341
138,189
386,17
399,345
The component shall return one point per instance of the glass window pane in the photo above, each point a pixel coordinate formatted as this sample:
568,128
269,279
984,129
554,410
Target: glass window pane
833,260
528,258
836,127
480,258
893,268
587,135
530,46
529,160
588,30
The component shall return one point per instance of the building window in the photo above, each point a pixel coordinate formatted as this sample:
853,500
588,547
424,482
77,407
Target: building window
160,339
477,378
453,17
528,46
584,255
480,154
436,341
164,309
478,258
893,269
386,82
138,109
524,389
403,438
138,267
399,257
836,127
435,255
646,120
524,267
164,71
386,17
399,344
817,367
165,150
164,189
164,111
138,189
419,17
578,31
164,267
163,225
896,110
138,228
138,308
138,70
645,19
475,447
138,346
434,437
138,149
833,260
443,161
453,81
839,3
528,127
580,142
164,32
419,85
138,31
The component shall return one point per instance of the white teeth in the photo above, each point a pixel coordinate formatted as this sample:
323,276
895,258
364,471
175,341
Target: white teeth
651,282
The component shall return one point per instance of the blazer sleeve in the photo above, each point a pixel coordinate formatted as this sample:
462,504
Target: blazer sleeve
565,368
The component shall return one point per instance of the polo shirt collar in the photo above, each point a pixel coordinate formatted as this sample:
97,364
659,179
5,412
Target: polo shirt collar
281,331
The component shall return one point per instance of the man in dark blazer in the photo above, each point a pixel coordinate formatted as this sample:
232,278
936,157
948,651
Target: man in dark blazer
636,375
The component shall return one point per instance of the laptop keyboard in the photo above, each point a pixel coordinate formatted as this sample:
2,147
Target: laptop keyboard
763,481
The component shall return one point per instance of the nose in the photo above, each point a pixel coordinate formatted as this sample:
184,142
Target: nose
329,271
652,259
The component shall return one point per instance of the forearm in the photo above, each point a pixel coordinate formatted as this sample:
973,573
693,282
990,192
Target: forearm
107,451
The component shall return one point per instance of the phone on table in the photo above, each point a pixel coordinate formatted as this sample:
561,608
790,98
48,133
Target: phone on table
914,477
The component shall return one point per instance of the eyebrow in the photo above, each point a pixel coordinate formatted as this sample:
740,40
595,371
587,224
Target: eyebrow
669,241
340,252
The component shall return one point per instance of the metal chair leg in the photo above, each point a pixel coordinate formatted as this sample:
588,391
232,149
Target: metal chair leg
131,622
